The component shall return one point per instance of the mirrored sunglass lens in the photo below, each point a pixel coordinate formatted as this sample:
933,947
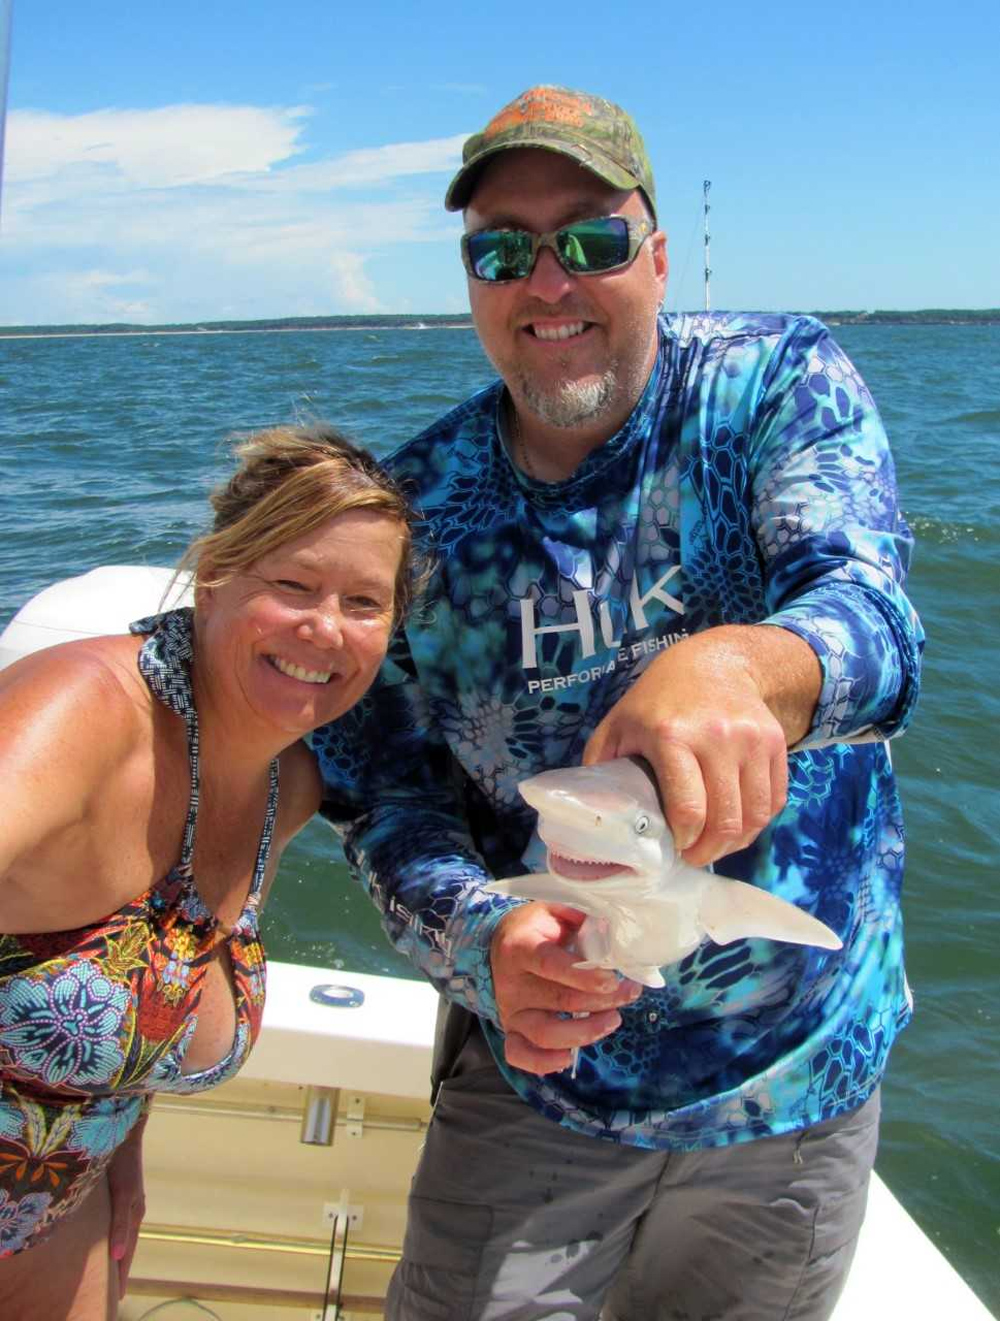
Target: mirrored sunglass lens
594,245
500,254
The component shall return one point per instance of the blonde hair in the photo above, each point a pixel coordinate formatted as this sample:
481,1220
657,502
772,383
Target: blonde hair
288,482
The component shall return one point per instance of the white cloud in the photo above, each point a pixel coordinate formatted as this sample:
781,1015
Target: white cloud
232,146
179,212
356,289
108,279
99,295
166,147
373,166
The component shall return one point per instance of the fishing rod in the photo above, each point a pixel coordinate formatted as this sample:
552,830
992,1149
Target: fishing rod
706,186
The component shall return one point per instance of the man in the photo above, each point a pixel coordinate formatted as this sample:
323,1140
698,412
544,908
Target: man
674,537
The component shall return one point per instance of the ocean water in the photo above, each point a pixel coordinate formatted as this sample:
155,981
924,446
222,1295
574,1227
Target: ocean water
109,444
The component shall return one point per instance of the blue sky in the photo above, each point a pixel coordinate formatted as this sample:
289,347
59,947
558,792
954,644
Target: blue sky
209,160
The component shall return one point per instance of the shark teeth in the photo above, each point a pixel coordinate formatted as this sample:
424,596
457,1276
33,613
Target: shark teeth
567,331
578,857
585,869
297,672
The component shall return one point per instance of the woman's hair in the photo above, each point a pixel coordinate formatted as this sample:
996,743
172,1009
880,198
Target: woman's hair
288,482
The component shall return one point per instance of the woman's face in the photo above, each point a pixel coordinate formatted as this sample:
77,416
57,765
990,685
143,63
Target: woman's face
298,637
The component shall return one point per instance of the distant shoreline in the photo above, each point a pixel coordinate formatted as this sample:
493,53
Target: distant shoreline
925,317
40,332
234,328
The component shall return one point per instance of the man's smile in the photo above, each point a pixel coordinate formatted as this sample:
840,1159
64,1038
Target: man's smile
567,330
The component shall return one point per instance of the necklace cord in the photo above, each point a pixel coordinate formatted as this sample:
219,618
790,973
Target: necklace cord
521,455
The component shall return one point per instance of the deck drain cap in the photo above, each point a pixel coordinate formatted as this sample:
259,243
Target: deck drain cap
340,997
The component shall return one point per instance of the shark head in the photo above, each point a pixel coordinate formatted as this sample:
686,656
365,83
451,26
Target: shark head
611,855
601,822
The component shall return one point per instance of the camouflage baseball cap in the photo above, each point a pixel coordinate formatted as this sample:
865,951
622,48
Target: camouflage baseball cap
595,133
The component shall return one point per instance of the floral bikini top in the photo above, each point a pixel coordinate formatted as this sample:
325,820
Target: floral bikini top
108,1010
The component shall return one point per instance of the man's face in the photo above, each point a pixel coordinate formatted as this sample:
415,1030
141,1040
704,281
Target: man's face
574,350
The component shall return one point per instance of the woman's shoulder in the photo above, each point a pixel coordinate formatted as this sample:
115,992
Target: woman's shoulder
91,685
70,721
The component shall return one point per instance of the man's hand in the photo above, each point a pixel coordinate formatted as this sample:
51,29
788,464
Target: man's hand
128,1203
714,716
535,983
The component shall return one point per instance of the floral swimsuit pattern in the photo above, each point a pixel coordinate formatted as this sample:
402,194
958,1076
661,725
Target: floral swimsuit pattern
92,1021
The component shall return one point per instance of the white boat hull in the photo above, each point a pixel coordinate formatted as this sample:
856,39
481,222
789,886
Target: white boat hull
229,1169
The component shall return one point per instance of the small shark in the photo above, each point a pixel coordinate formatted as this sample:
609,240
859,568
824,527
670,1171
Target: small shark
611,855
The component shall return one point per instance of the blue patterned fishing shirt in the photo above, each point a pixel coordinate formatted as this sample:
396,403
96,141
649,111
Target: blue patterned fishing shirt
752,484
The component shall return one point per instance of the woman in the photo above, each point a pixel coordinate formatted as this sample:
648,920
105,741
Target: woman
130,873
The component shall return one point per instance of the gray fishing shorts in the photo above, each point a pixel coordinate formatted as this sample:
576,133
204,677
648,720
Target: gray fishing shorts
514,1218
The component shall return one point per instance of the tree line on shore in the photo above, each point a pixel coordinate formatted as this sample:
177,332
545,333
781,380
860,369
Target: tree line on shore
430,321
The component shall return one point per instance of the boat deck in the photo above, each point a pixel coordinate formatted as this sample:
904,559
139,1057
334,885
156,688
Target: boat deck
253,1222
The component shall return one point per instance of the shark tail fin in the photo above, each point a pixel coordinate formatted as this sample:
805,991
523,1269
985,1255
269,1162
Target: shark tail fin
732,910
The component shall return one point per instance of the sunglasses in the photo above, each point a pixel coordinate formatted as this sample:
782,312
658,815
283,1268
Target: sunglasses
587,247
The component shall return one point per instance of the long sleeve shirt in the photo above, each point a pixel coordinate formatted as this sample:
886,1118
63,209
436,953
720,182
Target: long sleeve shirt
751,484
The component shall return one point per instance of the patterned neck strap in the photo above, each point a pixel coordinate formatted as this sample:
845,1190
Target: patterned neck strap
165,660
165,663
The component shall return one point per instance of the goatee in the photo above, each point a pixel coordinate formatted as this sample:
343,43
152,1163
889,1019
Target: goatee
573,402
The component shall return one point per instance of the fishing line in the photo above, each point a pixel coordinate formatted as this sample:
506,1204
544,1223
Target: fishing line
687,259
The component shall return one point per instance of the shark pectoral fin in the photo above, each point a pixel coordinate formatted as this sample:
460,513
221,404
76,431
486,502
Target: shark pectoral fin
540,885
732,910
646,974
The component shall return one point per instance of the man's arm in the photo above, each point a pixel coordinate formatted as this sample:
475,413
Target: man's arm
393,793
836,658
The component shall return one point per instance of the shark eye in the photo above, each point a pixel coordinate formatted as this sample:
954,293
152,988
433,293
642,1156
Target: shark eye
641,824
